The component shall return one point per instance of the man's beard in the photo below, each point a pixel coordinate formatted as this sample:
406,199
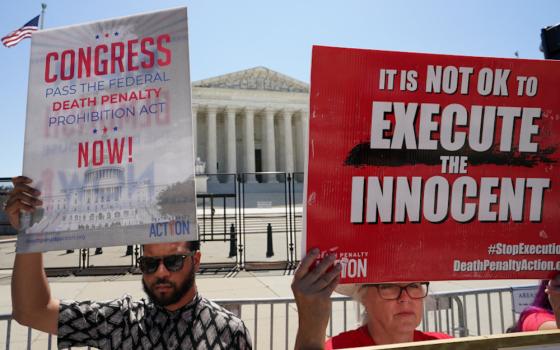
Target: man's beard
175,295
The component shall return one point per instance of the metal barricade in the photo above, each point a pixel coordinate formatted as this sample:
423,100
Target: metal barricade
272,323
5,188
267,217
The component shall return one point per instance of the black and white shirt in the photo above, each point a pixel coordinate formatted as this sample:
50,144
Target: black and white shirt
127,324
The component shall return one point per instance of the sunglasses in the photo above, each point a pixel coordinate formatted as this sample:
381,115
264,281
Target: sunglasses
173,263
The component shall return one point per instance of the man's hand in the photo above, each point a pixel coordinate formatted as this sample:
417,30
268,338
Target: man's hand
22,198
312,288
553,291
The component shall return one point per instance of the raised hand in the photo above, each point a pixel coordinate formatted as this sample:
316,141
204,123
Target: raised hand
312,288
22,198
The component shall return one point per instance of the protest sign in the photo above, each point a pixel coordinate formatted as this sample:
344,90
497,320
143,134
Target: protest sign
433,167
108,136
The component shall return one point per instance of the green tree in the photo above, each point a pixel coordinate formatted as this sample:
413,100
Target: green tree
178,199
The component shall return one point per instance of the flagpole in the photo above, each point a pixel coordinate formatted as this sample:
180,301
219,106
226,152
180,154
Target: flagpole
43,7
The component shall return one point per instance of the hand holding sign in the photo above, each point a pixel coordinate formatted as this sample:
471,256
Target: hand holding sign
22,198
312,287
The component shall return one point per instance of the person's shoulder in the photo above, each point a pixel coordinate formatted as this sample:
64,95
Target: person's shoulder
353,338
231,328
535,319
419,336
125,301
122,303
220,315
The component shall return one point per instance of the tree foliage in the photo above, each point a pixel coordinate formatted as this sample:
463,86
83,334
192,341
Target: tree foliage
178,199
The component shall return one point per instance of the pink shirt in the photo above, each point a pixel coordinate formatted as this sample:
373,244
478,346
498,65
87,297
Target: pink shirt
535,320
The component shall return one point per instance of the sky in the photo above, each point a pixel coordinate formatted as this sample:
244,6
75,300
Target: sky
228,36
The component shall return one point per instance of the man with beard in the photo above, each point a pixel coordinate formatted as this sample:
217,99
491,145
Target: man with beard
174,317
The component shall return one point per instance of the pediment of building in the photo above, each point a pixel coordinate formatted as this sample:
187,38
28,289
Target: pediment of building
258,78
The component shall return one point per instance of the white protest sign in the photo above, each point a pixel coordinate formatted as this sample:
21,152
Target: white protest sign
108,137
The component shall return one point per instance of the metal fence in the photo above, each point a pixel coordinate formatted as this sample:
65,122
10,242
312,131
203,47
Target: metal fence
5,187
272,323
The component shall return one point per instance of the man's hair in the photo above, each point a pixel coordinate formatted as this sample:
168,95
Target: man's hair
193,245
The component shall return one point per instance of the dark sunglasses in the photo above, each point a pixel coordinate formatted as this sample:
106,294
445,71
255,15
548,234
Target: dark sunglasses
173,263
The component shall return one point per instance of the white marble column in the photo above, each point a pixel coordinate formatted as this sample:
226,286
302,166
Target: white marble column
231,143
302,141
270,145
250,144
211,156
194,130
288,142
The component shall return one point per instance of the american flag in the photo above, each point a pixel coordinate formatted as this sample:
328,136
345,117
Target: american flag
21,33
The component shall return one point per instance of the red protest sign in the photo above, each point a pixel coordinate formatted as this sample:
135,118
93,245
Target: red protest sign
434,167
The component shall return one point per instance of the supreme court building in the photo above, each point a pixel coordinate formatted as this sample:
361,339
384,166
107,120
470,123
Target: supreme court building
250,121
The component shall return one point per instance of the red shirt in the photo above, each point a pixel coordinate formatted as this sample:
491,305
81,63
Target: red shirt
360,337
533,321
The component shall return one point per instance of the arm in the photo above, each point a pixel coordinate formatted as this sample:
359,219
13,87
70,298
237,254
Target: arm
312,290
553,291
32,303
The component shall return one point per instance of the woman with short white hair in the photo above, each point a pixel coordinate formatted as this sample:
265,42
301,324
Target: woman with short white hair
393,310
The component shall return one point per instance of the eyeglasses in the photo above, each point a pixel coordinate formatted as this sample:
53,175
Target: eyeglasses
173,263
417,290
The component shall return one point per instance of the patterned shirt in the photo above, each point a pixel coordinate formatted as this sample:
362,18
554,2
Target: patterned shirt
127,324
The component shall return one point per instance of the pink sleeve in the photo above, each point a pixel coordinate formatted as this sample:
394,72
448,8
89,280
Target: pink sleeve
533,321
328,344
